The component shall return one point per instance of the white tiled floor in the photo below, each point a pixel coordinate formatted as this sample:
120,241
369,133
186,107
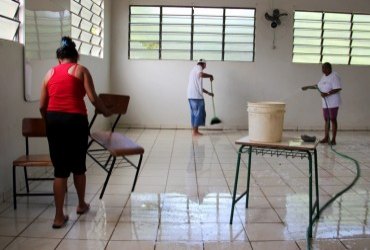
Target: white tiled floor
182,200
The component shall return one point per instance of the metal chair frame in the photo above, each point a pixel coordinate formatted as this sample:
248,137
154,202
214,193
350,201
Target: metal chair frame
31,128
113,143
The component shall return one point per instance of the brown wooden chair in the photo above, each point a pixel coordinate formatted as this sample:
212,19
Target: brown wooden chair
113,144
31,127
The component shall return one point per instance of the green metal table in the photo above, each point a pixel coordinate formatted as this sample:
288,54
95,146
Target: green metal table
288,147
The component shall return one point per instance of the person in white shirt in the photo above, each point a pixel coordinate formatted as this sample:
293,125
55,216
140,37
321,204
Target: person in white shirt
195,95
329,86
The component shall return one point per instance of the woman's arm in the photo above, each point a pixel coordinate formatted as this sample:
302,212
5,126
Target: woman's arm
90,91
44,97
309,87
331,92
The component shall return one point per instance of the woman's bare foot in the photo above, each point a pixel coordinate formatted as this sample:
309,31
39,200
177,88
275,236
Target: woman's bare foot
83,209
325,140
60,222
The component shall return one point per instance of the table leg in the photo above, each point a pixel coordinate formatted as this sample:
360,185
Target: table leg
316,184
310,195
249,175
235,184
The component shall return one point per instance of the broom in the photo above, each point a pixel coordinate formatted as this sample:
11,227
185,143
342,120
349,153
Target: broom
215,119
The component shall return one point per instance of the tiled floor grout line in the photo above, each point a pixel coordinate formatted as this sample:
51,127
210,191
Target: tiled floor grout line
231,192
29,224
162,202
215,144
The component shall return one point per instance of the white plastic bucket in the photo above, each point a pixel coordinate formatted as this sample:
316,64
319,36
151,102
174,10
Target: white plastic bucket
265,121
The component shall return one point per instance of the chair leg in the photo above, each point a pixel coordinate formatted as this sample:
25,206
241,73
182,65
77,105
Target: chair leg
137,173
26,179
14,188
108,176
108,160
89,144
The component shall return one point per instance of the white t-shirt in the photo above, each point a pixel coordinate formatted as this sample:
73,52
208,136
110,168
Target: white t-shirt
328,83
195,85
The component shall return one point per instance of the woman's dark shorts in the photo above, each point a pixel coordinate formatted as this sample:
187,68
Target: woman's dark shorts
330,113
68,137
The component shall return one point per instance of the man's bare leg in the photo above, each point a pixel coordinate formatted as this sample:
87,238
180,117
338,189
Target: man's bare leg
196,132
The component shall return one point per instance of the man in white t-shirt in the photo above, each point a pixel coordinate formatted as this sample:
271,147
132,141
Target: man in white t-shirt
330,86
195,95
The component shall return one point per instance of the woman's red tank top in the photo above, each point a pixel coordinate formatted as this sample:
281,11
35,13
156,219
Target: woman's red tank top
66,92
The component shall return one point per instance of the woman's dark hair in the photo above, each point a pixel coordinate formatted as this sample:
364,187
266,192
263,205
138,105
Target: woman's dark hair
67,49
327,65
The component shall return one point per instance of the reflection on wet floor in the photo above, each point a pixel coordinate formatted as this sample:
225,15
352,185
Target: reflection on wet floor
182,200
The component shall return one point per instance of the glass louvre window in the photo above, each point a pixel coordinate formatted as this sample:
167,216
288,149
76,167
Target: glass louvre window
336,38
176,33
9,23
43,31
339,38
190,33
208,33
360,46
307,37
144,32
88,26
239,35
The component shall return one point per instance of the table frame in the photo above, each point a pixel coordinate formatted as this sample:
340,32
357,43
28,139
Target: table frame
288,147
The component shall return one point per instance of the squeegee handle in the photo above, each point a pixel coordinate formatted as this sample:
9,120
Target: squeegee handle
213,101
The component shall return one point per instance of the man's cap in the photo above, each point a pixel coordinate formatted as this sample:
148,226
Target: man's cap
202,61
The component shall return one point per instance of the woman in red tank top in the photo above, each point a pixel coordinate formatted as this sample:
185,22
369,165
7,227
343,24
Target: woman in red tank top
63,108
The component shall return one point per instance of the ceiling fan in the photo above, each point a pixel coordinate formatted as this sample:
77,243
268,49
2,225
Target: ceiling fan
275,17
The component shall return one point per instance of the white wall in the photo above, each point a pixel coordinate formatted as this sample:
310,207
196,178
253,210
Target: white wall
158,88
13,107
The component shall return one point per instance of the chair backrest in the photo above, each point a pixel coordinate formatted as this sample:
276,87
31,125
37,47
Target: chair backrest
117,104
33,127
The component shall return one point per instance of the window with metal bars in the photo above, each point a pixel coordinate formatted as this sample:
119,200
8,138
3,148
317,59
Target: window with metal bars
190,33
9,20
338,38
87,17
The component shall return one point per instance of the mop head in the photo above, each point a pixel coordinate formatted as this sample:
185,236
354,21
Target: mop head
215,120
307,138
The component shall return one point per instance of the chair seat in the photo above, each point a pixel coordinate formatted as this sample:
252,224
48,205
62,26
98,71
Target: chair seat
41,160
116,143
